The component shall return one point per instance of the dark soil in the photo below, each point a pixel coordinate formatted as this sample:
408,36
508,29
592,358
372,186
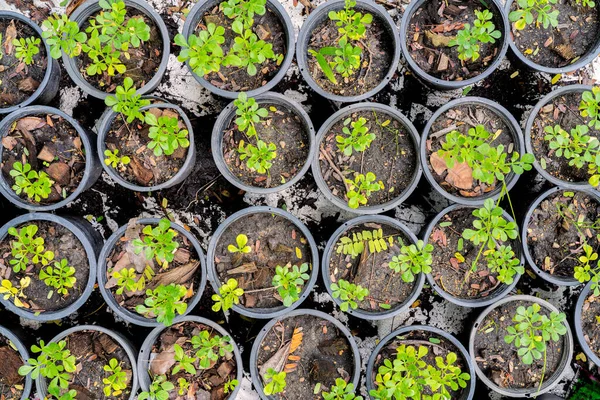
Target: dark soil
564,111
18,81
554,241
50,144
267,27
206,383
440,20
324,355
460,182
590,324
65,245
11,383
576,34
499,360
286,130
371,270
145,169
391,157
275,241
376,58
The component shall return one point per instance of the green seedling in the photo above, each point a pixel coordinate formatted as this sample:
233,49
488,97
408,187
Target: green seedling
128,103
63,35
351,23
163,303
116,381
8,291
241,245
36,185
590,107
230,385
229,295
341,391
114,160
259,156
159,389
348,293
249,113
525,13
1,47
354,245
203,52
248,50
208,349
585,272
275,382
289,282
28,248
26,49
413,260
470,38
359,139
165,134
361,188
158,242
184,363
60,277
128,281
184,386
244,10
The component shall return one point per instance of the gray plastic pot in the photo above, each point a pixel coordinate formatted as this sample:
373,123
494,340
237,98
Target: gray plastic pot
529,125
104,124
341,115
550,381
499,293
91,242
468,392
504,115
133,317
440,84
195,16
256,379
330,248
49,86
41,383
229,113
92,164
143,362
317,17
24,355
213,276
91,7
593,357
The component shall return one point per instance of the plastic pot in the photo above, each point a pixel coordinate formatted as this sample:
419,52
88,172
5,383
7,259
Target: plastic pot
91,242
330,248
529,125
104,125
499,293
255,312
257,381
195,16
49,86
440,84
24,355
593,357
133,317
146,352
468,392
515,132
550,381
41,383
229,113
317,17
341,115
92,164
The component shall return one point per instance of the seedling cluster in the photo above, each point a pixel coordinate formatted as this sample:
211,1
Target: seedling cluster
26,48
289,281
341,391
470,38
229,295
524,15
275,382
35,185
348,293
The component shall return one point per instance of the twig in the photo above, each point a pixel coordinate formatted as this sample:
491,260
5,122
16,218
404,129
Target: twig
422,342
259,290
439,133
335,168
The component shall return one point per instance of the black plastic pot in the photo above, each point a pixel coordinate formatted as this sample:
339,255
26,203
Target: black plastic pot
593,357
499,293
91,242
440,84
92,163
24,355
41,383
143,362
263,313
91,7
257,381
133,317
104,124
316,18
529,125
507,118
330,248
340,115
229,113
468,392
49,86
195,16
549,382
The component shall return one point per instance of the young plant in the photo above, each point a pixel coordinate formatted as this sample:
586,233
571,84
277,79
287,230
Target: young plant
248,50
61,277
348,293
203,52
8,291
412,260
63,35
210,348
128,281
229,294
114,160
355,245
184,363
36,185
28,248
1,47
184,386
290,281
275,382
584,272
230,385
26,48
359,139
163,303
128,103
241,245
165,134
159,389
586,3
351,23
158,243
249,113
244,10
361,188
116,381
341,391
259,156
469,39
590,107
524,14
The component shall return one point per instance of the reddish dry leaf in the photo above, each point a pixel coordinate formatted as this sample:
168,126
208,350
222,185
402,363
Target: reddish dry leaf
460,176
437,163
9,35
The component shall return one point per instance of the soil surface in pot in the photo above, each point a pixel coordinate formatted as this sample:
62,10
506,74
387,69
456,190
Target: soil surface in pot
142,64
11,383
65,245
387,290
274,241
376,58
268,27
499,360
576,34
459,180
311,350
282,127
207,383
49,144
391,157
132,140
590,323
434,24
559,227
562,110
18,79
183,270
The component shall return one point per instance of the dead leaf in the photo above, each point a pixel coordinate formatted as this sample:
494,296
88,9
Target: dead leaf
460,176
30,123
9,142
163,362
277,361
565,51
438,40
28,85
9,35
437,163
178,276
296,339
443,63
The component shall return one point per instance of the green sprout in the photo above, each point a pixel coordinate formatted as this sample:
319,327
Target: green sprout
159,389
524,14
184,363
116,381
61,277
26,48
8,291
341,391
248,50
361,188
127,281
230,385
128,103
590,107
290,281
241,245
259,156
469,39
165,134
355,245
413,260
63,35
248,114
244,10
208,349
163,303
229,294
28,248
359,139
184,386
158,242
351,23
203,52
1,52
36,185
584,272
275,382
348,293
586,3
114,160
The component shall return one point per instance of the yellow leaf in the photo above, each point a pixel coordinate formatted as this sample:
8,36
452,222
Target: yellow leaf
165,202
528,51
298,253
514,74
581,357
556,78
